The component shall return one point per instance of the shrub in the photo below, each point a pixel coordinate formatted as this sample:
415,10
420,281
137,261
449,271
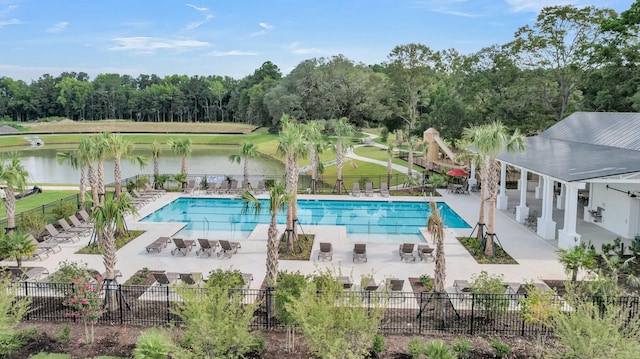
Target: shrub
12,310
289,289
215,324
437,349
64,209
152,344
500,349
462,348
32,222
225,278
142,181
490,290
415,348
377,346
69,271
63,333
85,302
427,282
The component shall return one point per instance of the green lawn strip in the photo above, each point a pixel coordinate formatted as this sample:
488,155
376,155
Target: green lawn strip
380,154
471,244
120,242
37,200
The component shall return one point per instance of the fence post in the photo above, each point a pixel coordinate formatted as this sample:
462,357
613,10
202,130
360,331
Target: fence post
120,304
268,299
26,294
473,302
168,305
421,312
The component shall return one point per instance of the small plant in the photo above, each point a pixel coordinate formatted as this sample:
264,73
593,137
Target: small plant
491,292
152,344
269,183
377,346
64,209
415,348
31,222
225,278
500,349
85,302
437,349
427,283
70,271
462,348
64,333
576,258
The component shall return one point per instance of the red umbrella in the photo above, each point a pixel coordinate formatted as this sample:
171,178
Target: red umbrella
457,172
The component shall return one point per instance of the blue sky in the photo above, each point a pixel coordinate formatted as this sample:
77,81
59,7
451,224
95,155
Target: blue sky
234,37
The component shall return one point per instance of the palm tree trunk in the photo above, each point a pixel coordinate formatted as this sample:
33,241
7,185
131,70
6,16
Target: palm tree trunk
156,166
410,162
93,182
10,202
314,166
291,184
272,251
389,171
109,260
118,175
101,189
246,170
339,163
492,195
484,175
184,164
83,185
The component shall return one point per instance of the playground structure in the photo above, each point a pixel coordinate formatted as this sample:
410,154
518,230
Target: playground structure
439,154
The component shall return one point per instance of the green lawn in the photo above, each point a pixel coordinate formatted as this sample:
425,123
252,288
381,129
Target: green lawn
380,154
37,200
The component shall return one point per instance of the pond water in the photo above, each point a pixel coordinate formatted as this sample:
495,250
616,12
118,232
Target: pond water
44,168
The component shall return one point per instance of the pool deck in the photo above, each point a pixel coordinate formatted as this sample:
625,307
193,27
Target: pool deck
536,257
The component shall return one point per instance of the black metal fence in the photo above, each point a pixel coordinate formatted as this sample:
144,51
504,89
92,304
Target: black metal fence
403,312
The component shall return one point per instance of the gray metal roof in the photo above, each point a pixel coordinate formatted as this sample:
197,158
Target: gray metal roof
585,145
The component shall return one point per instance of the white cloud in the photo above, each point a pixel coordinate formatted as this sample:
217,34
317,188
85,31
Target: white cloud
9,8
264,25
58,27
258,33
233,53
295,48
537,5
151,44
197,24
201,9
10,22
447,7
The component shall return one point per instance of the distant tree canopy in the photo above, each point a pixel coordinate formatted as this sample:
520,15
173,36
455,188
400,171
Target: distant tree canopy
571,59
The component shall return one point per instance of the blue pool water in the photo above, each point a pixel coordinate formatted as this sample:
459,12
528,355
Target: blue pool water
370,221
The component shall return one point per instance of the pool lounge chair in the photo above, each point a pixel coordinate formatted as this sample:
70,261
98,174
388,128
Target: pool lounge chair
245,185
32,274
166,278
260,188
47,247
227,248
395,286
406,251
326,251
360,252
425,252
207,246
346,281
233,188
224,187
68,229
158,244
191,279
191,186
183,246
85,216
355,191
247,278
368,189
145,195
54,234
461,286
212,187
384,189
149,189
76,222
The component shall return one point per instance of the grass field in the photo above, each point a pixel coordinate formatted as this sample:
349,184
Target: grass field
69,126
380,154
37,200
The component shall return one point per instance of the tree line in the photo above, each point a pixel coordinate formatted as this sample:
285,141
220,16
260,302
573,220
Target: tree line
571,59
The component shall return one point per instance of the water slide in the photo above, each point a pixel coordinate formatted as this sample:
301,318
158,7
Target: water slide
445,148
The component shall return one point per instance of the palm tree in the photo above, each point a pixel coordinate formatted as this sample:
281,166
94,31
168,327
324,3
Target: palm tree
436,228
108,219
16,245
342,128
156,150
489,140
122,148
292,146
390,150
13,177
75,161
411,144
278,198
99,150
313,133
87,159
248,150
182,147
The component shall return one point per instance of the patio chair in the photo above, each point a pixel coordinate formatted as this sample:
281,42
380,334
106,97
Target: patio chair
54,234
368,189
461,286
370,286
68,229
512,288
355,191
532,220
260,188
47,247
149,189
326,251
346,281
191,186
191,279
145,195
406,251
451,188
247,278
224,187
360,251
183,246
85,216
395,287
165,278
212,187
207,246
233,188
384,189
158,244
28,275
425,252
227,248
76,222
245,185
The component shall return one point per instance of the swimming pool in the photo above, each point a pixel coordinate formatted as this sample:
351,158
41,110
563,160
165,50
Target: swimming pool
369,221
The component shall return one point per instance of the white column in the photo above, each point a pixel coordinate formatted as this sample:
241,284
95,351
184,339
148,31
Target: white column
522,211
503,200
546,226
561,198
567,236
538,194
472,176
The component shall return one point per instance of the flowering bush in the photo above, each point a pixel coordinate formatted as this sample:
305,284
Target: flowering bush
85,301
